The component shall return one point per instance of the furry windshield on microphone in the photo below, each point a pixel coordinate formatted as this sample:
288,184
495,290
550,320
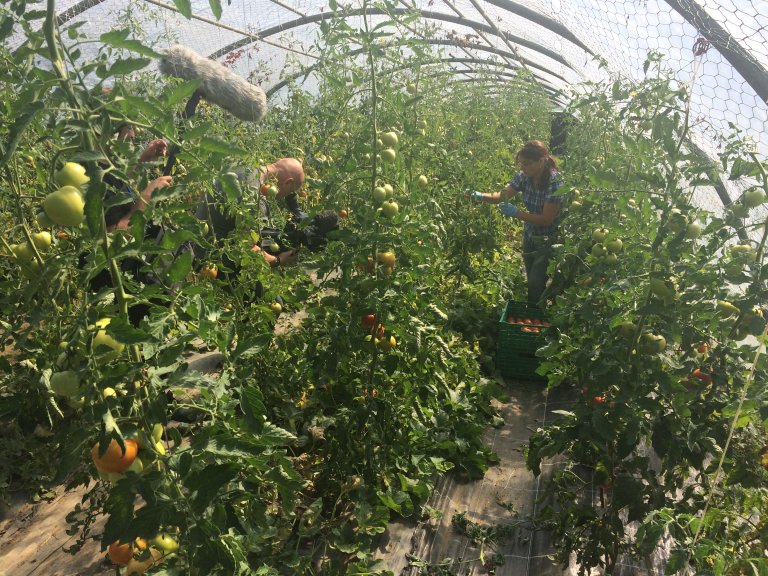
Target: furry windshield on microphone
219,85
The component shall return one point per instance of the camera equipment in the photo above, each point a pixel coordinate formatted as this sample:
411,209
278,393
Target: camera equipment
313,235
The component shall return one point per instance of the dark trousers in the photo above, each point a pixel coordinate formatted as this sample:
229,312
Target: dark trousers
537,251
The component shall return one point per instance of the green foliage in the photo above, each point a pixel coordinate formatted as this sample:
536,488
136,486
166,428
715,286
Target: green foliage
655,429
311,438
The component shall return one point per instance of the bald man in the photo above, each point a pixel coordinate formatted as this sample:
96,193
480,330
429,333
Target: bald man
288,176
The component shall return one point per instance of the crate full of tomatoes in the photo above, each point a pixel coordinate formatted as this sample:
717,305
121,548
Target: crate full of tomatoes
522,331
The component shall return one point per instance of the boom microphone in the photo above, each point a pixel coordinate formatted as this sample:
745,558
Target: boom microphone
219,85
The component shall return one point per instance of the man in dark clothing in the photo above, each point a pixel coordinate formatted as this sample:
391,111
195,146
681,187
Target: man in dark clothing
288,176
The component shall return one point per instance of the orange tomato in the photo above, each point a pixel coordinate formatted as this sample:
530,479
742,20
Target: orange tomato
139,567
119,553
343,213
209,272
114,459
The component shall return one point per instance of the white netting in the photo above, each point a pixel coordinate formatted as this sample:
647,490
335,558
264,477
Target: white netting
620,33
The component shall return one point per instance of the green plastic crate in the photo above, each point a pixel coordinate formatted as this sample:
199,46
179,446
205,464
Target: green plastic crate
515,347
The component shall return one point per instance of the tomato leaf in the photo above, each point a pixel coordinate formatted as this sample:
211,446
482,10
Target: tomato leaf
125,66
16,130
204,484
215,8
124,332
120,39
72,450
185,7
252,404
212,144
181,266
178,93
94,198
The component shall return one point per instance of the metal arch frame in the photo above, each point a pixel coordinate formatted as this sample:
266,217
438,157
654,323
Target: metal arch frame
542,21
752,72
433,41
400,11
553,95
549,89
498,74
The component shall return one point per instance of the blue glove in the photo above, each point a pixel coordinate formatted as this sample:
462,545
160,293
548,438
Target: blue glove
508,209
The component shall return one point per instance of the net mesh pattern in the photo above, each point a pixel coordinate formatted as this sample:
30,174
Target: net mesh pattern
559,41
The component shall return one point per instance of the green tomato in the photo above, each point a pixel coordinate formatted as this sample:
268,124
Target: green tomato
75,402
65,383
677,221
389,139
653,343
71,174
65,206
599,235
103,340
627,329
42,240
390,209
753,198
165,543
615,246
693,230
42,220
726,308
739,210
422,182
157,432
388,155
31,269
389,190
22,252
379,194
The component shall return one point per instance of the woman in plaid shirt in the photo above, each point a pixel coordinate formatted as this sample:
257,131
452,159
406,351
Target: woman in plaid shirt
537,181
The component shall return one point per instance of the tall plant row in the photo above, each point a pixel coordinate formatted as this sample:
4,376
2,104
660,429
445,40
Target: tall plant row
660,307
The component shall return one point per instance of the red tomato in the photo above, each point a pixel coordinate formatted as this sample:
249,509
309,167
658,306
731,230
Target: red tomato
706,378
368,320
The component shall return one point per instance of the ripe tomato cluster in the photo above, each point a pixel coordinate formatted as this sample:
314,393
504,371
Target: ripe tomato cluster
530,325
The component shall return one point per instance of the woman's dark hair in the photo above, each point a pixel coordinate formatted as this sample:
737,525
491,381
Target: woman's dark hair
536,150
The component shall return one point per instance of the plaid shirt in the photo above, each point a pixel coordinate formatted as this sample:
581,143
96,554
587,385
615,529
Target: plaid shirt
534,201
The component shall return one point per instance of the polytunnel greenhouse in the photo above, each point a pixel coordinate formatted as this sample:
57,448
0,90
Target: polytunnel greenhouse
447,287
